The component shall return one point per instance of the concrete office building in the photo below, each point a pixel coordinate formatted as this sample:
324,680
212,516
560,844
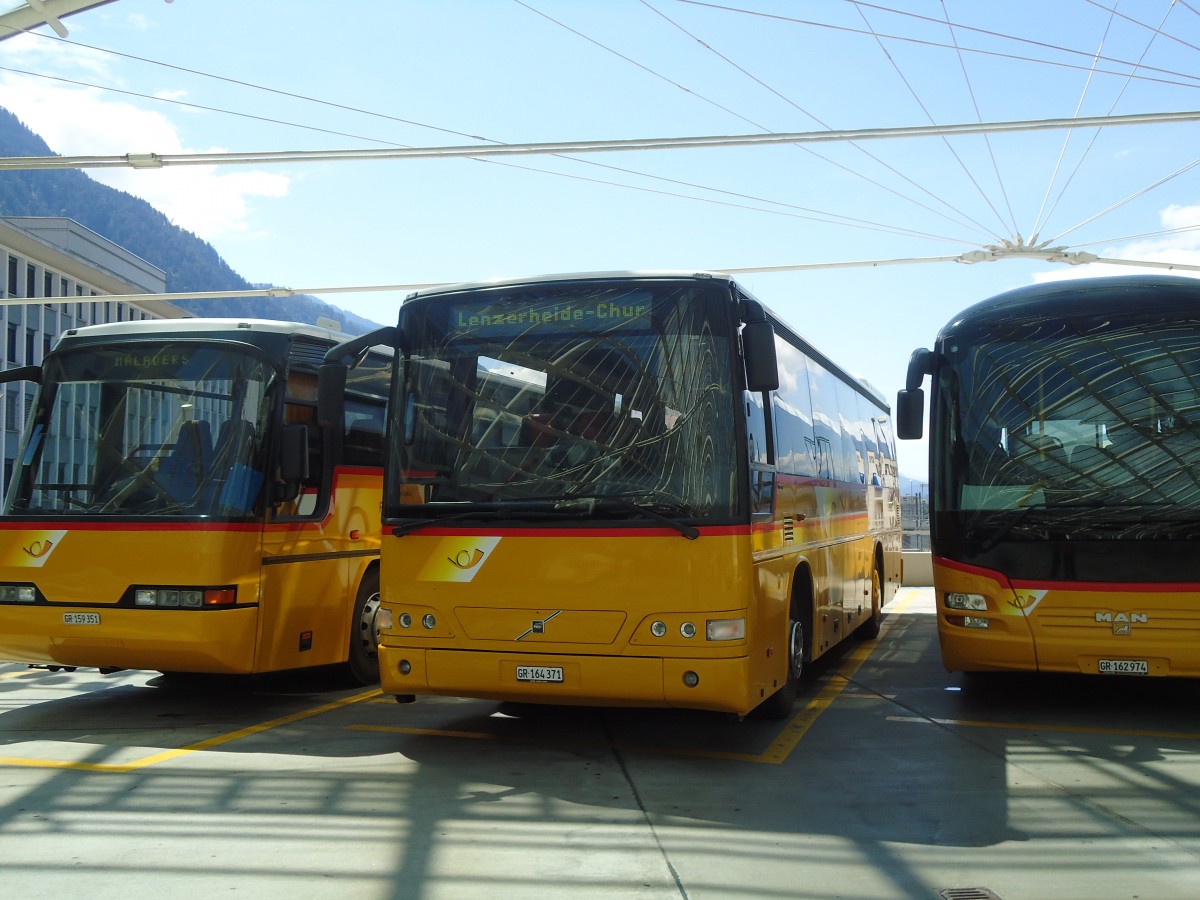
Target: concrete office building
58,273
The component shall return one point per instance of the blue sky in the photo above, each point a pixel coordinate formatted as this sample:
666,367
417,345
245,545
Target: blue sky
224,75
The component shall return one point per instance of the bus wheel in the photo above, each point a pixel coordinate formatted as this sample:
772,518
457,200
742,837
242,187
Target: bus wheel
779,705
362,662
869,630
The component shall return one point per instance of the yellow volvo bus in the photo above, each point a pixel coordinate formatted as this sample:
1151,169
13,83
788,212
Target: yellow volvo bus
175,507
633,489
1064,455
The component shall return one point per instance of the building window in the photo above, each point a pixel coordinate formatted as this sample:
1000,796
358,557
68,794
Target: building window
30,280
12,276
48,284
12,342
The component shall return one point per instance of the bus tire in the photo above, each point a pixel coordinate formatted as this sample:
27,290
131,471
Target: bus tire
362,658
869,630
779,705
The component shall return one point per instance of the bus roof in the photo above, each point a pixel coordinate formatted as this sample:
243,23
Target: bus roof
177,327
1131,295
649,274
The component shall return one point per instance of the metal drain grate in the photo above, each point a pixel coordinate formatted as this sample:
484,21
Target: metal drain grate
970,893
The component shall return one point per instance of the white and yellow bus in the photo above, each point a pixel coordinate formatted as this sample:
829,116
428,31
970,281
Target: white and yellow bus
175,507
635,489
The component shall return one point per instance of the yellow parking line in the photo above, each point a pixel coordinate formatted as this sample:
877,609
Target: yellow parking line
206,744
794,731
15,674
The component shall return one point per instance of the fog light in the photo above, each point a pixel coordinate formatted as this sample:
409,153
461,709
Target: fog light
688,630
975,622
405,667
691,679
405,620
191,599
658,629
429,621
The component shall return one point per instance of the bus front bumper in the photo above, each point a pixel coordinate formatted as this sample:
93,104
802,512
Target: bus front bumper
203,641
706,684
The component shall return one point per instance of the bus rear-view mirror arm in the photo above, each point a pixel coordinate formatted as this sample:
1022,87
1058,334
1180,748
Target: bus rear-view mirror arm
339,360
22,373
910,402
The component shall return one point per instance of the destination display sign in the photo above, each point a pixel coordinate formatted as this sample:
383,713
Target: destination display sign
510,318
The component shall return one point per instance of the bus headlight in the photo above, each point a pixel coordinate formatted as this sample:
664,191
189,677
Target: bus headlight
973,602
17,593
725,629
183,598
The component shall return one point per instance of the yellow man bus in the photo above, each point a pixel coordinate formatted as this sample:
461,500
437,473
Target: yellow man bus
1064,455
175,507
633,489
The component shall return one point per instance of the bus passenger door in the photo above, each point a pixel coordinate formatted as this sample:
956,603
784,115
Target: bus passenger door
303,616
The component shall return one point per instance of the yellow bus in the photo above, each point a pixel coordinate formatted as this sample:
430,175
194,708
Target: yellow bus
1064,454
630,489
175,507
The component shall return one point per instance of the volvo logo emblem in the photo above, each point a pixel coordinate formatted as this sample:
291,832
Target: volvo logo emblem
538,626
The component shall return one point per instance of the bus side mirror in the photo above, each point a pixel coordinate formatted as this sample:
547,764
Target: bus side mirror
910,402
762,366
910,414
331,393
293,462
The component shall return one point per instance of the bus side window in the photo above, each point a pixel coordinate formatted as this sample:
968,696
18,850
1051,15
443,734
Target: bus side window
362,444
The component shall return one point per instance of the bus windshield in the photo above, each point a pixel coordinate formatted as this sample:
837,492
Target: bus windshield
169,430
1087,428
606,392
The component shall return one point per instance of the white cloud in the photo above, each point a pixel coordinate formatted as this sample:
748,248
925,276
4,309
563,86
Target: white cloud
210,201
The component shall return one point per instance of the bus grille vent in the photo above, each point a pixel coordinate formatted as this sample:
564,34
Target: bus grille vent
971,893
789,531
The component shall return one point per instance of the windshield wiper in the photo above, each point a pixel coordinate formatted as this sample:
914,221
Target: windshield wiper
488,512
658,510
1001,533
